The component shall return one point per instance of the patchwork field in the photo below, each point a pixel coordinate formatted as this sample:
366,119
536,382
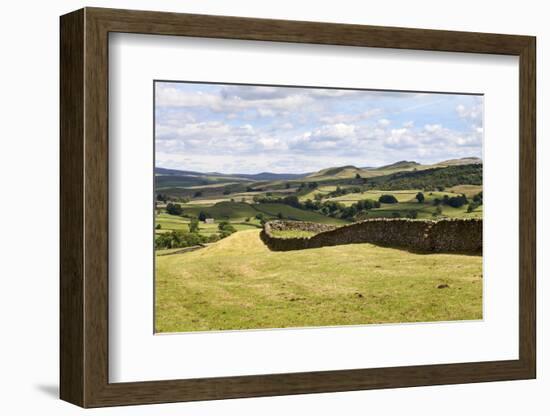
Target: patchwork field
238,283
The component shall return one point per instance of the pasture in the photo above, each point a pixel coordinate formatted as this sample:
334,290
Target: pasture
238,283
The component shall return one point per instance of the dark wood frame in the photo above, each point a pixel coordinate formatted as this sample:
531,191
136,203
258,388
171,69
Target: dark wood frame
84,207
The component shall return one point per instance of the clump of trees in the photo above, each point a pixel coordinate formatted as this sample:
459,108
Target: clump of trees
261,217
179,239
420,197
387,199
203,216
174,209
453,201
194,225
477,200
308,185
339,191
226,229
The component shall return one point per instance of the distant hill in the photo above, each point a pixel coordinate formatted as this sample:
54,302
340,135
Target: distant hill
403,164
462,161
340,171
269,176
432,178
263,176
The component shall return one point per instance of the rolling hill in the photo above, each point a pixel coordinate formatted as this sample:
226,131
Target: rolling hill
262,176
462,161
401,165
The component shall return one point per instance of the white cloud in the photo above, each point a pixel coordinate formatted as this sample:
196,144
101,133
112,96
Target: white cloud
350,118
167,96
473,112
432,128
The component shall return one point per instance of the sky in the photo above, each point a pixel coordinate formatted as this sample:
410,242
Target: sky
251,129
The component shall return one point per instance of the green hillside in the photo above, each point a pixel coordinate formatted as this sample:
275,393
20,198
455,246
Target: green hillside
222,210
444,177
296,214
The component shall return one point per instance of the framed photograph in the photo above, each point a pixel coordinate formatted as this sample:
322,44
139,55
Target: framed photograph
255,207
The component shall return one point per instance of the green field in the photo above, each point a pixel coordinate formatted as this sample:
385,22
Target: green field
238,283
296,214
401,196
424,211
222,210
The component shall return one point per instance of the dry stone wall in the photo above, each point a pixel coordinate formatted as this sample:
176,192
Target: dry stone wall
441,236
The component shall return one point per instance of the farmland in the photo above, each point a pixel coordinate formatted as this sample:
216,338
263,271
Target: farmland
233,281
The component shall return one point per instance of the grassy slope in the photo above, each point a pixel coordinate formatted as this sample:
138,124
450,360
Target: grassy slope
238,283
296,214
226,210
240,211
468,190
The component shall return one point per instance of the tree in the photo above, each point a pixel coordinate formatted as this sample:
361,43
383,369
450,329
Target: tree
456,201
292,200
174,209
158,226
194,226
478,198
287,185
226,229
357,176
387,199
178,239
280,215
420,197
202,216
213,238
197,194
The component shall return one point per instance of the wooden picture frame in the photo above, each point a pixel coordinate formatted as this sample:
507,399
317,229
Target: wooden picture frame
84,207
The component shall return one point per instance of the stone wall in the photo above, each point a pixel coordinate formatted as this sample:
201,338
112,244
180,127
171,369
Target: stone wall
299,225
442,236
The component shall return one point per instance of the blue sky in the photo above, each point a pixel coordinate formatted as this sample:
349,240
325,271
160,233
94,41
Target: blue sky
251,129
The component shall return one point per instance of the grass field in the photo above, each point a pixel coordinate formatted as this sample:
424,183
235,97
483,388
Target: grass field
238,283
296,214
468,190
